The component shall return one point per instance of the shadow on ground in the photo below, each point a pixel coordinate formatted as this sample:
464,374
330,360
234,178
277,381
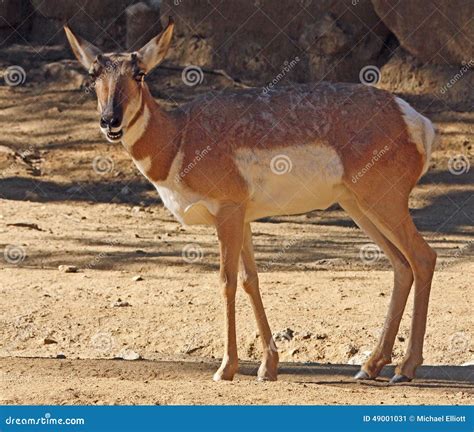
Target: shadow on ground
459,377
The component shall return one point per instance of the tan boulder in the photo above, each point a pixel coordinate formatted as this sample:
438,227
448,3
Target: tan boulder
434,31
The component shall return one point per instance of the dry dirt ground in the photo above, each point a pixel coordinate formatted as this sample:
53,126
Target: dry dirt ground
63,334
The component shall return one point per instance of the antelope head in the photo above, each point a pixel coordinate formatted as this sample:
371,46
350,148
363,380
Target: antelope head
118,78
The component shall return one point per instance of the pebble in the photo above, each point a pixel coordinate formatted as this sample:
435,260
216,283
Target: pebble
121,303
49,341
352,350
284,335
130,355
137,278
190,350
31,196
67,268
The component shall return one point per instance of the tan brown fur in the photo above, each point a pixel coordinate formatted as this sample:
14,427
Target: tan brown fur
340,126
160,141
326,106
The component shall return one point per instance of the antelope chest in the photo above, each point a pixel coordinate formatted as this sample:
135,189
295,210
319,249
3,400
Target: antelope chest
188,207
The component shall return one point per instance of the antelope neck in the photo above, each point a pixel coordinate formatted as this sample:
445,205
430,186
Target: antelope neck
152,136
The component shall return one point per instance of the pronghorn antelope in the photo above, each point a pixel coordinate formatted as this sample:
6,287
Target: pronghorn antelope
286,151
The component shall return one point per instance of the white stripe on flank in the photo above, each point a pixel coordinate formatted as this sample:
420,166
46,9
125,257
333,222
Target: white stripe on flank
289,180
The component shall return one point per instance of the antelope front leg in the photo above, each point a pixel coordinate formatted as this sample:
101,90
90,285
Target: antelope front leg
230,221
268,369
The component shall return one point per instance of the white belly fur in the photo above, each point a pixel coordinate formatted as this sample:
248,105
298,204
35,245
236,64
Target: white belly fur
309,181
290,180
188,207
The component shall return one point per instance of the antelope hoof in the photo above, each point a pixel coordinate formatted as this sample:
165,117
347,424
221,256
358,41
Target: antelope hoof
398,378
225,373
267,374
362,375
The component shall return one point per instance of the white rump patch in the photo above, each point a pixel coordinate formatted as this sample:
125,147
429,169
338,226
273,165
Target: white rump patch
420,130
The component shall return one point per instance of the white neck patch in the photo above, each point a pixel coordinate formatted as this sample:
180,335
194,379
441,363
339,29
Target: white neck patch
137,130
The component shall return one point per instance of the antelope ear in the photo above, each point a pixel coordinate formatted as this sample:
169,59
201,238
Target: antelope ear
84,51
155,51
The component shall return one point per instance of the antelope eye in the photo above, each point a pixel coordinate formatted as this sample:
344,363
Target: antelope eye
139,76
93,74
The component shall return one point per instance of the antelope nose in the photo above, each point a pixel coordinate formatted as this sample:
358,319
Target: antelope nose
111,122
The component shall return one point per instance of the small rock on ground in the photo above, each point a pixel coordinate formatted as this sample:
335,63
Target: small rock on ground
67,268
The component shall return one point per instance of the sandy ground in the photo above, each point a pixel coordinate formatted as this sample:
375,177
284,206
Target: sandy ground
62,334
187,382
